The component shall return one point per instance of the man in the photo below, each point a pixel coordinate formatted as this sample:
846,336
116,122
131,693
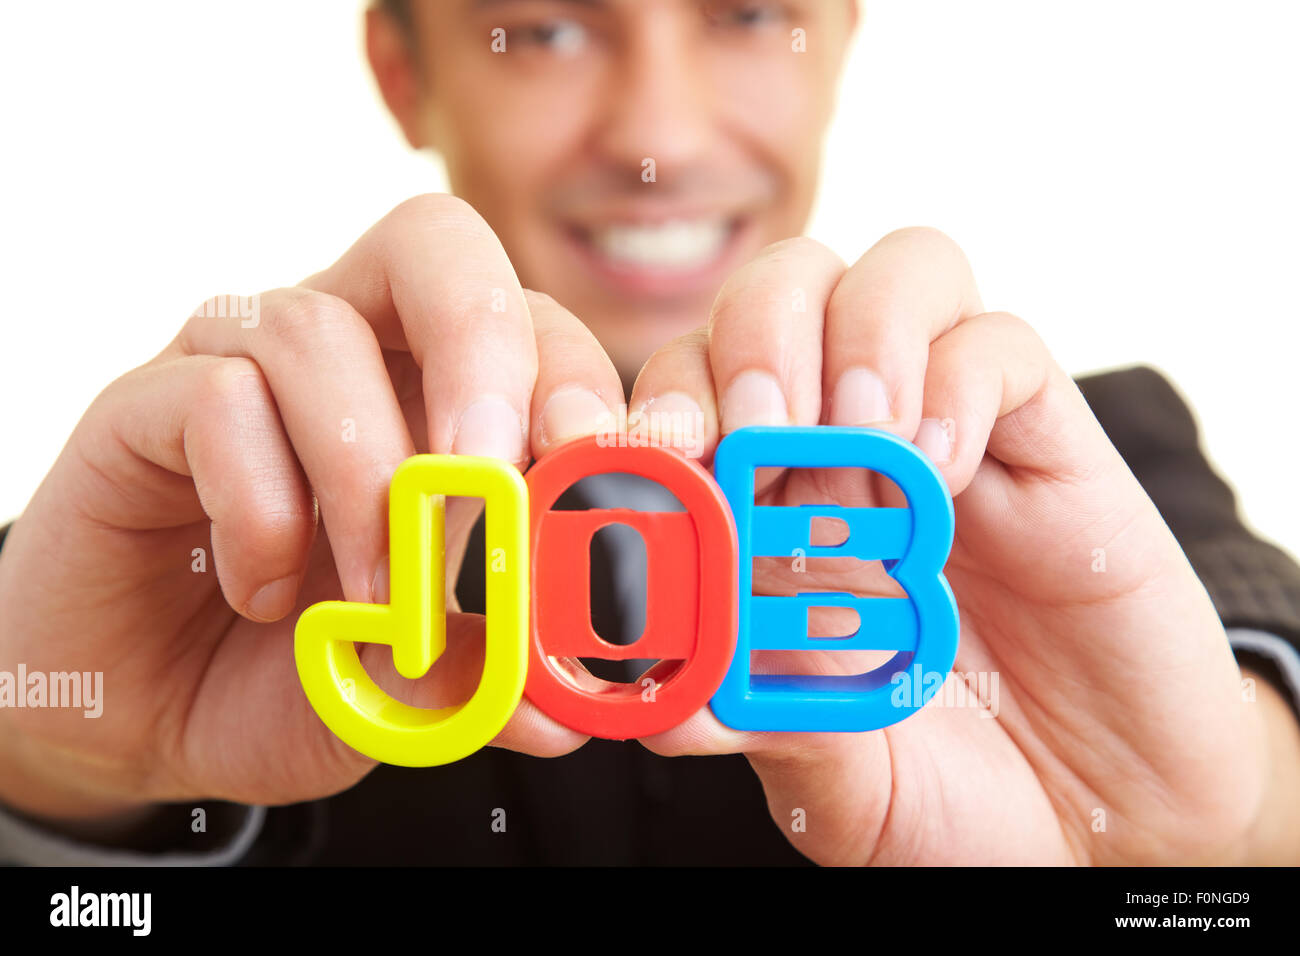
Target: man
644,163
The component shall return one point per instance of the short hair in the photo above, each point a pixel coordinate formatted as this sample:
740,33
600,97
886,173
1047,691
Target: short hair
400,11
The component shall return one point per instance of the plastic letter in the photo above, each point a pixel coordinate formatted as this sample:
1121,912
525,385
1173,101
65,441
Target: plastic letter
414,621
691,593
913,545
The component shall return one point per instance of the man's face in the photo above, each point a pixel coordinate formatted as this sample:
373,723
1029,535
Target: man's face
630,154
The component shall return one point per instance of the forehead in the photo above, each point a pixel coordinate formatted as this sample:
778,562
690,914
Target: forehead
609,6
598,4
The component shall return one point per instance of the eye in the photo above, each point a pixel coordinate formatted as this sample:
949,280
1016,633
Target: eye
744,15
565,37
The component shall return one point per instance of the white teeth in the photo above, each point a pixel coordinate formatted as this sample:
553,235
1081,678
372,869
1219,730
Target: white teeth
675,244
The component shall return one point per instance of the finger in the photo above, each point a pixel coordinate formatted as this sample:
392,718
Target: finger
1019,444
905,291
673,402
578,391
333,393
765,336
433,278
213,420
983,370
455,678
765,340
702,734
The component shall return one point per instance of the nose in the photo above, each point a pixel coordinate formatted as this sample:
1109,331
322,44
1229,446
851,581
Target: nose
656,108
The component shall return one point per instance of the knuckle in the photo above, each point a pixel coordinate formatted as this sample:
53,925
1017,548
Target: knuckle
226,390
443,212
219,309
799,253
235,382
1012,325
931,243
275,523
798,248
269,518
303,319
768,280
923,235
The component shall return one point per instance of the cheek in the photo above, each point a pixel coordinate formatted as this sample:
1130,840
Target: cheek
510,139
492,155
776,107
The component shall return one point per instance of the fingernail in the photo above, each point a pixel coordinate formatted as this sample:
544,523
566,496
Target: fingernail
571,412
672,419
379,593
491,428
273,601
753,398
860,398
932,438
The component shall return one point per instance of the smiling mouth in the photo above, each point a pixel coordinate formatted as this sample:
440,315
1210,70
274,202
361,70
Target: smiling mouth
676,244
667,256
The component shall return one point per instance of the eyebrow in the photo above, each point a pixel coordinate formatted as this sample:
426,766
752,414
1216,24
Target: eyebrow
490,4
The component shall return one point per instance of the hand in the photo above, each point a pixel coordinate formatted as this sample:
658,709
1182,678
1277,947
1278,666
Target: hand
1118,701
233,440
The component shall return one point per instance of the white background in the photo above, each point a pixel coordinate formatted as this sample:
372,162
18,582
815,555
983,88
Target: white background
1122,174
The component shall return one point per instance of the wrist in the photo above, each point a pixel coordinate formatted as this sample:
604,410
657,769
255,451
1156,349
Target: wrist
1273,837
36,787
